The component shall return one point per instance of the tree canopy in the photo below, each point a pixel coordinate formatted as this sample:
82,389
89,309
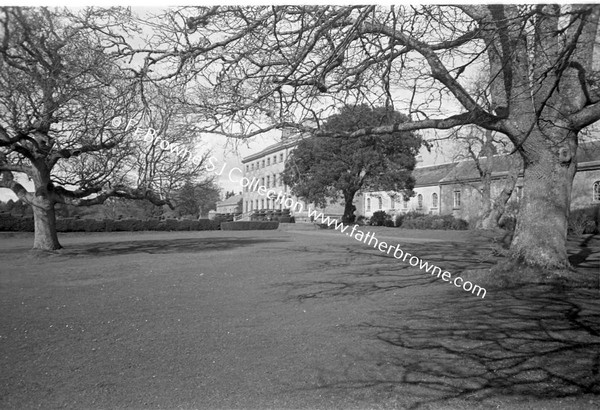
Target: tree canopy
67,91
286,65
325,168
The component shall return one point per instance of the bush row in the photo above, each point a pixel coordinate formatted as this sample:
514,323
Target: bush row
413,220
272,215
249,225
584,220
581,221
10,223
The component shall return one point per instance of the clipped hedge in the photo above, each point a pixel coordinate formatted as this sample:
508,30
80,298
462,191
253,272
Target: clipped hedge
447,222
249,225
12,223
15,224
415,220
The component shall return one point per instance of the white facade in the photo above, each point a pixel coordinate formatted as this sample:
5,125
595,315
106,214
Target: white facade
426,200
266,167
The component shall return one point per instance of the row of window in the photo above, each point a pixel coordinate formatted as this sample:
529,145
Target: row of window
270,181
434,202
252,205
457,199
270,203
263,163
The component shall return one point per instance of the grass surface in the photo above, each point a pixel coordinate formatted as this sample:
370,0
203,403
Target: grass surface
278,319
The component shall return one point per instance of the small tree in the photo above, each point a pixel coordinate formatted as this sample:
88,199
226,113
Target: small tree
322,168
208,195
10,205
187,200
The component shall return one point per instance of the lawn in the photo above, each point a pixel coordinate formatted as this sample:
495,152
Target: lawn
286,319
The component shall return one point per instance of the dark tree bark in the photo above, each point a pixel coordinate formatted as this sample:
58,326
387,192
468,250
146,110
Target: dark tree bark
541,231
45,236
349,207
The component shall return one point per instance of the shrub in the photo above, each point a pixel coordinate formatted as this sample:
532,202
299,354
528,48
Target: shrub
459,224
434,222
11,223
151,225
171,224
129,225
249,225
398,220
379,218
438,223
508,222
225,217
15,224
413,215
70,225
584,220
94,225
185,225
361,220
207,225
389,223
415,223
109,225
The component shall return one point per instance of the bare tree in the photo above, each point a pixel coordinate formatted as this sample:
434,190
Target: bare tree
277,66
487,152
65,87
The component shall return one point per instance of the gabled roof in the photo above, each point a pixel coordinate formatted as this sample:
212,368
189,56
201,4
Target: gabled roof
467,170
232,200
431,175
588,157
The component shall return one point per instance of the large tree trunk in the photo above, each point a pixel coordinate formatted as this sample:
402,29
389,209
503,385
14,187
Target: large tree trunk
44,216
349,208
45,225
541,232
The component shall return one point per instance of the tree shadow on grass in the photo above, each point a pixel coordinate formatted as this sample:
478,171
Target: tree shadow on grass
162,246
534,343
585,252
364,271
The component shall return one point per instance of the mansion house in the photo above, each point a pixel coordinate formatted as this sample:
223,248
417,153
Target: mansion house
267,167
444,189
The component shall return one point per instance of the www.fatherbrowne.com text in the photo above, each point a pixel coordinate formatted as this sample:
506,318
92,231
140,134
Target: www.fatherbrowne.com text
398,253
288,202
